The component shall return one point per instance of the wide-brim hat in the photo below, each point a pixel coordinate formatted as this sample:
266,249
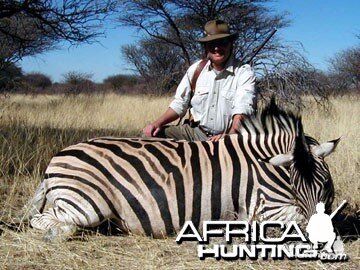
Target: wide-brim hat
217,29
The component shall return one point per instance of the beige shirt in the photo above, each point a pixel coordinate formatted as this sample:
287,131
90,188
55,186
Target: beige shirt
218,96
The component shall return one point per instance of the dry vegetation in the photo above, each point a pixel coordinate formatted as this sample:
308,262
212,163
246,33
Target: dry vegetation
34,128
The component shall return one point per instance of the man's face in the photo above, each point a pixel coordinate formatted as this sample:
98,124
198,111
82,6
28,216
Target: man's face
219,51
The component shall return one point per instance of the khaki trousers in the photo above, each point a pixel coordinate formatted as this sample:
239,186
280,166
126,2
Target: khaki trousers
182,132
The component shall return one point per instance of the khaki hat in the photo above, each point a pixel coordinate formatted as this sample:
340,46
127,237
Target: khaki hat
216,29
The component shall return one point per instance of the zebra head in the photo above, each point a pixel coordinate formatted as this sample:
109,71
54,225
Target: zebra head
310,177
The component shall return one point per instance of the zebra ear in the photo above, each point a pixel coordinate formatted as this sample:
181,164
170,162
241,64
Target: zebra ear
280,160
325,149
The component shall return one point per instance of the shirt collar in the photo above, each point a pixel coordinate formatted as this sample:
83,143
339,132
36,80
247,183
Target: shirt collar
229,66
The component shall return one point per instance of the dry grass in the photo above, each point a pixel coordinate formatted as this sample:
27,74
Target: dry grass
33,129
120,113
343,120
28,251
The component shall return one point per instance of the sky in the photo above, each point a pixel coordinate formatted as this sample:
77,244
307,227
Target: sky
324,27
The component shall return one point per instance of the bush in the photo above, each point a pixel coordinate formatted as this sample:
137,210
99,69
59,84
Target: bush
78,82
118,81
37,80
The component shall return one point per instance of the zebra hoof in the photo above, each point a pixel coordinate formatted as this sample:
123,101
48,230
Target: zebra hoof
60,233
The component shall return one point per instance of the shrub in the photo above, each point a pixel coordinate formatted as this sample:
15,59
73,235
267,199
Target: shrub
118,81
78,82
37,80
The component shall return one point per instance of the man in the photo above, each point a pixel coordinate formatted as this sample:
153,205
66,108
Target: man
320,228
224,93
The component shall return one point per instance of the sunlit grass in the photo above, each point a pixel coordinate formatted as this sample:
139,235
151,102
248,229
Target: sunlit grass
119,113
35,128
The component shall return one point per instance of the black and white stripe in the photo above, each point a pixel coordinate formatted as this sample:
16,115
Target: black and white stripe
267,171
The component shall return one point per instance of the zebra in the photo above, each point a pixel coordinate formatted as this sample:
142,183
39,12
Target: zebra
269,170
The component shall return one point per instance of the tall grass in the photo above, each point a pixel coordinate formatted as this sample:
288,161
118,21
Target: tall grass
343,120
122,113
35,128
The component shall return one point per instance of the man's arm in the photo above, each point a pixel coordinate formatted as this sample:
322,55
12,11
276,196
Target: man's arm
236,123
153,129
235,126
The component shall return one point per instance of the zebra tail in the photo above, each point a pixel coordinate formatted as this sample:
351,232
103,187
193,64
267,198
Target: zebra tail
36,204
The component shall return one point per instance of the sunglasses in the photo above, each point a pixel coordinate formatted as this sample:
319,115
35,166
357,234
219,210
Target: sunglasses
218,43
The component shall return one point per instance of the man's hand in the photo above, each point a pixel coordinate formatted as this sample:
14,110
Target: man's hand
151,130
216,138
233,131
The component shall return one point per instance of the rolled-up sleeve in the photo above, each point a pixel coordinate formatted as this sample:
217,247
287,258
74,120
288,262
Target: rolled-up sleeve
182,96
245,95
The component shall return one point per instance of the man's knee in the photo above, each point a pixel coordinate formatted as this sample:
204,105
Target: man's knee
179,132
172,132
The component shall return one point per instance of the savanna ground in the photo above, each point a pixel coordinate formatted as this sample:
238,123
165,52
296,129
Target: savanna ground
34,128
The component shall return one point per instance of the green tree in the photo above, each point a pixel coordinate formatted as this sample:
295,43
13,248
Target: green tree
10,77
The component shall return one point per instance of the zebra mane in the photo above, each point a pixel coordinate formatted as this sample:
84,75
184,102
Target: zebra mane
304,161
273,119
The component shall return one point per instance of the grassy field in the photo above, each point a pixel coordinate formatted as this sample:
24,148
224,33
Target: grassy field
34,128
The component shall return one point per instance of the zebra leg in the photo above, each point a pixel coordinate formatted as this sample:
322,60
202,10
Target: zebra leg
57,222
60,233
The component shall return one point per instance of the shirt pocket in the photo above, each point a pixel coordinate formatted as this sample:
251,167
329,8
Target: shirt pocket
228,97
200,97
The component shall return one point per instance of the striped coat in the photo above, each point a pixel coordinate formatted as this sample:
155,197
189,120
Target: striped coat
153,186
